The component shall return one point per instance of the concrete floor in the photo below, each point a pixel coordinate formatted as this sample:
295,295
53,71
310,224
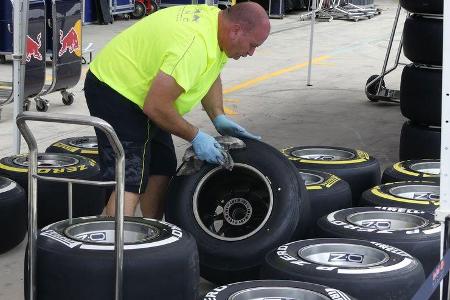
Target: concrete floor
267,94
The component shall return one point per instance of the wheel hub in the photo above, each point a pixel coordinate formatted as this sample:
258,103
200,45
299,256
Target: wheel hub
89,142
417,192
311,179
103,232
237,211
343,255
48,160
276,293
233,205
387,220
323,154
433,168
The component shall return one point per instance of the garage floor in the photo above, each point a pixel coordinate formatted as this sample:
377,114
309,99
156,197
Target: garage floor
267,94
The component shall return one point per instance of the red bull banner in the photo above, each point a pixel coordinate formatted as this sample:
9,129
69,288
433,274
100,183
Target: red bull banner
33,48
71,41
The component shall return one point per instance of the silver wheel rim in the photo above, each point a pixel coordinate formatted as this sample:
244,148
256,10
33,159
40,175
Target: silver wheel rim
387,220
343,255
311,179
237,211
89,142
323,154
103,232
417,192
433,168
276,293
49,160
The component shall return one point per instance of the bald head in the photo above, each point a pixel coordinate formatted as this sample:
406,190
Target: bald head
248,14
242,28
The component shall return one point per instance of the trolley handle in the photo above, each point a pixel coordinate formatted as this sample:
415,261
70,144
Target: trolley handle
32,187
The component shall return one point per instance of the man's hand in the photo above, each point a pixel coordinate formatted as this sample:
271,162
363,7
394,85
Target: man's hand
225,126
207,148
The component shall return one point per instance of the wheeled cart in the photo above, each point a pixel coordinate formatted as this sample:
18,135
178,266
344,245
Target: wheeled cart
64,48
375,87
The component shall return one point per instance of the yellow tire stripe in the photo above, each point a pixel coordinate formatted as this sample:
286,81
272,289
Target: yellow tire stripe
329,162
313,187
89,151
399,168
13,169
376,191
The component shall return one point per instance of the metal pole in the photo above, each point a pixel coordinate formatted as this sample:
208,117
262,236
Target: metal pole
20,8
311,40
70,204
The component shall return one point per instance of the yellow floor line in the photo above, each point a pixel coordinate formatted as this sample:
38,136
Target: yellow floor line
231,100
265,77
229,111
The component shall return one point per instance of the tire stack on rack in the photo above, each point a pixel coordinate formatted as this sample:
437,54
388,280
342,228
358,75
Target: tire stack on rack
421,82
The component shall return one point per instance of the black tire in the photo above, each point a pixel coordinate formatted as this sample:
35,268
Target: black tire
139,10
356,167
326,193
52,196
419,142
421,94
276,289
372,90
422,40
68,99
413,170
159,257
420,195
434,7
84,146
397,274
233,216
153,8
13,214
411,230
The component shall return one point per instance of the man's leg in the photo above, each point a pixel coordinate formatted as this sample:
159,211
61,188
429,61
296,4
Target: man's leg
152,201
130,199
162,166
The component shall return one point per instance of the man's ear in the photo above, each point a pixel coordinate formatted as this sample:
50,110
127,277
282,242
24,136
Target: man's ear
235,31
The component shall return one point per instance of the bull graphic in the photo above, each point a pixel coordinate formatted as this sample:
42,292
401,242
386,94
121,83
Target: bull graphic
68,42
33,48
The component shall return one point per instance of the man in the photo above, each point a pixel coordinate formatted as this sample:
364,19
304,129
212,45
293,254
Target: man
150,75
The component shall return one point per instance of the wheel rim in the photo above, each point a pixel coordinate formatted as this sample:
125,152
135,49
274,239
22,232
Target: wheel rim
343,255
323,154
311,179
433,168
139,10
48,160
387,221
89,142
276,293
234,209
103,232
416,192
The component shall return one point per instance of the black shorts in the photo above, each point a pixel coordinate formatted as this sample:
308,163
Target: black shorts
148,149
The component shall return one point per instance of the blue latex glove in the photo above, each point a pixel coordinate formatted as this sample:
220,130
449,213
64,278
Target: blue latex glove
225,126
207,148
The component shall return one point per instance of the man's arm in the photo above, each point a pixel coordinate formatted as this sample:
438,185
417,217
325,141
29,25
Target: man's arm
213,100
159,107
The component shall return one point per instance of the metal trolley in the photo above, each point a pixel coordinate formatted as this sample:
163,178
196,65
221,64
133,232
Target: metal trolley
35,53
32,188
375,87
64,48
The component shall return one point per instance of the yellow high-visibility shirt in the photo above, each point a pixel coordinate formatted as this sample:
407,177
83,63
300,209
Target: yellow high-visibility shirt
181,41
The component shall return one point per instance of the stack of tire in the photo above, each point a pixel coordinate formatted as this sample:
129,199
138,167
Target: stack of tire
421,81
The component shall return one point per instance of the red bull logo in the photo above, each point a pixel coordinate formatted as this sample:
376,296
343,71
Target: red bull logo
33,48
69,42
